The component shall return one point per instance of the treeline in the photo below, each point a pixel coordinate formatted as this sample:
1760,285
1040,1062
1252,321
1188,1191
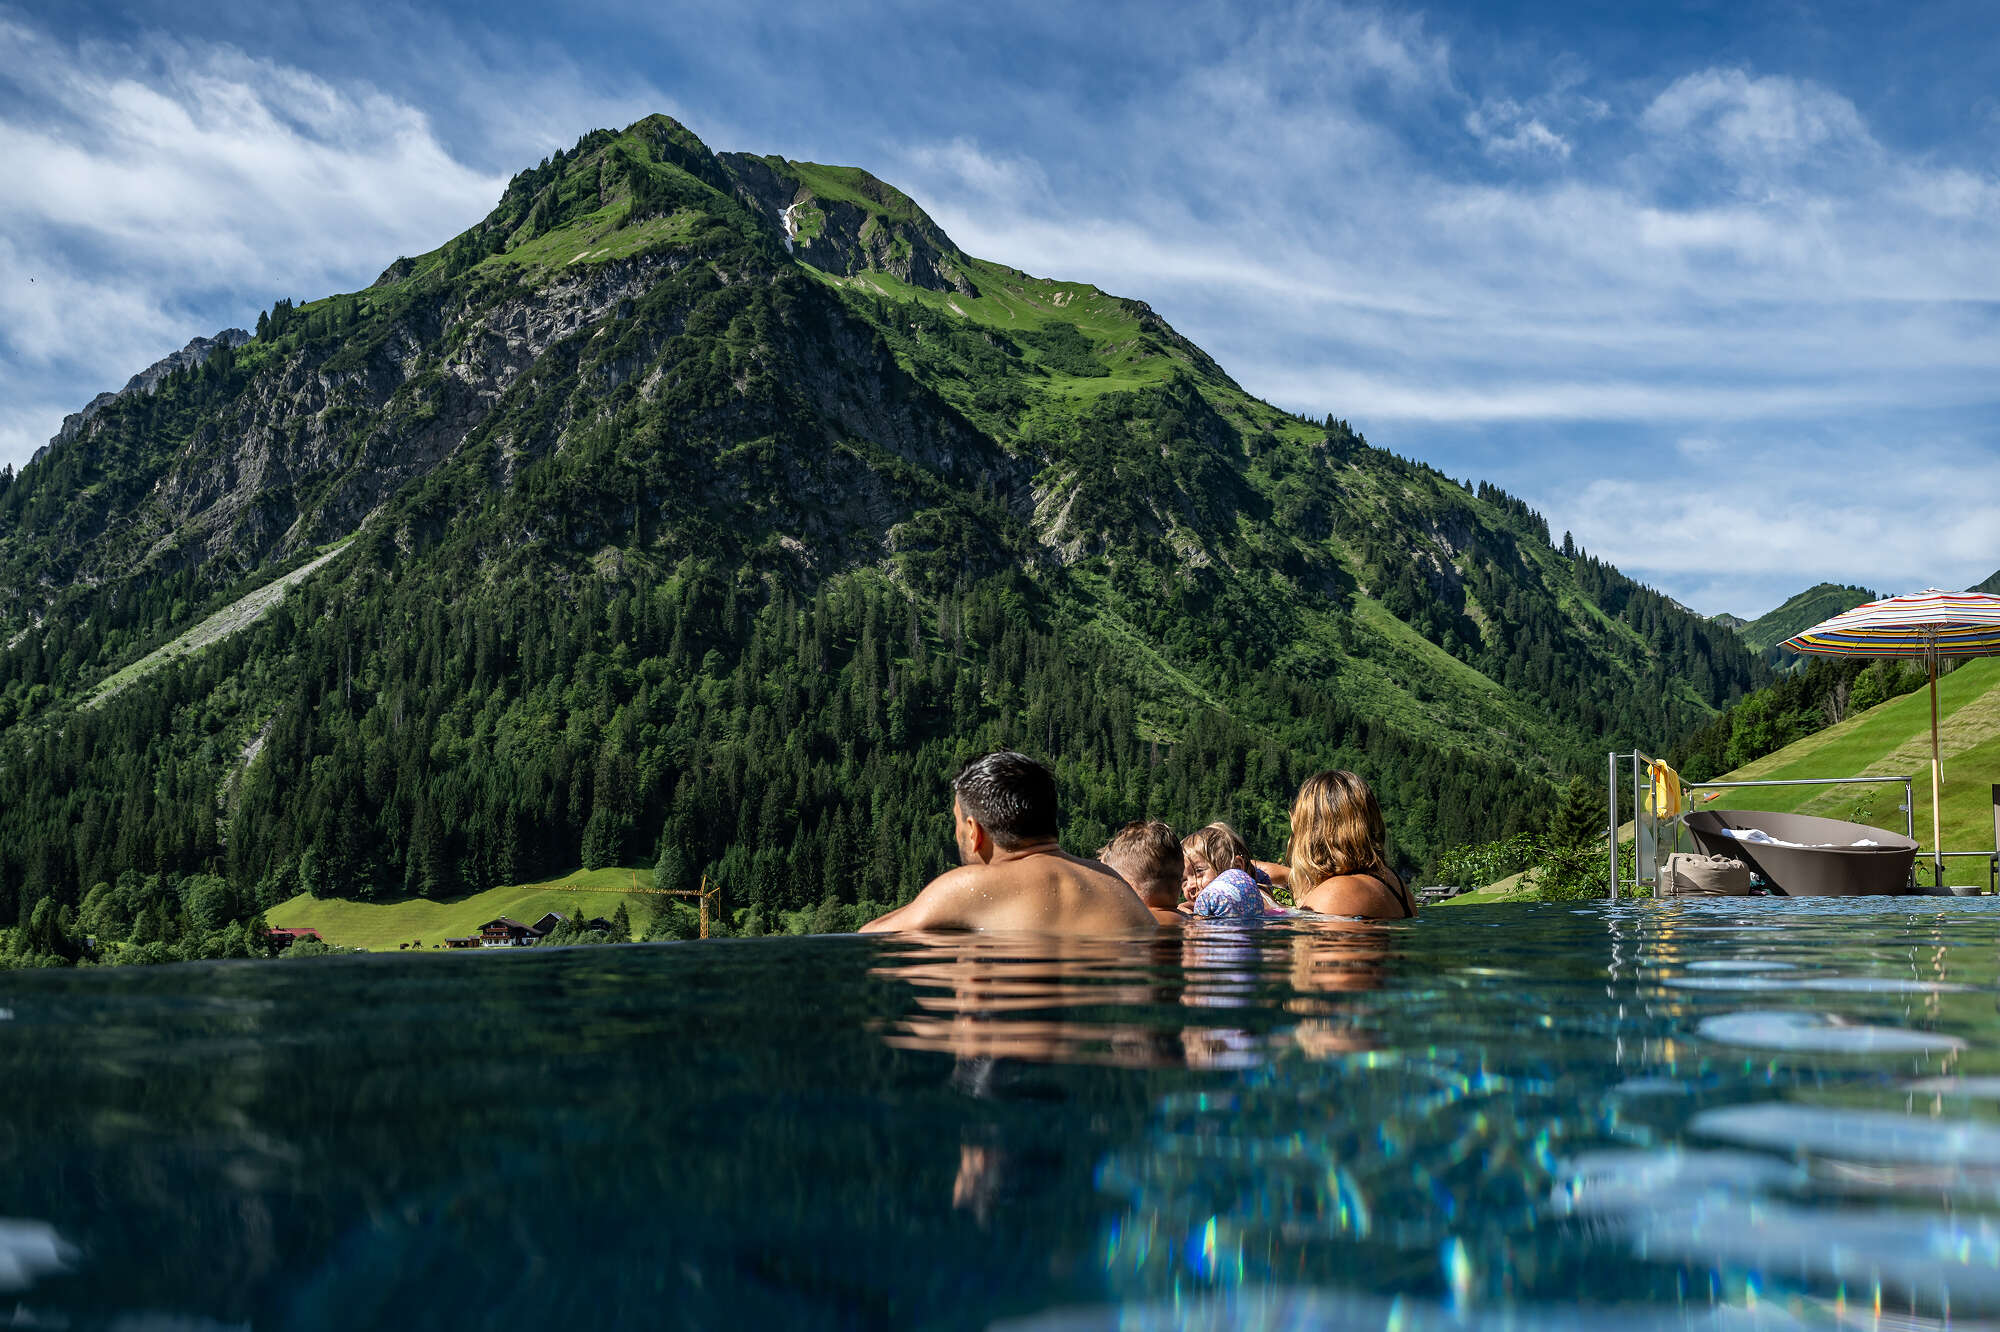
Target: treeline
1525,637
795,750
1824,691
140,919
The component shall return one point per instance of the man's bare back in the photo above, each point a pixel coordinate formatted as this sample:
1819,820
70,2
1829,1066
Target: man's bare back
1030,888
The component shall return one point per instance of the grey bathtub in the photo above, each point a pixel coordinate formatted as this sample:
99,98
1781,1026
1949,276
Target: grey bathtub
1810,870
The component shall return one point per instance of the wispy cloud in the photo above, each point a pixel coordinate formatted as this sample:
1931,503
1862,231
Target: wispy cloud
1505,128
150,179
1742,526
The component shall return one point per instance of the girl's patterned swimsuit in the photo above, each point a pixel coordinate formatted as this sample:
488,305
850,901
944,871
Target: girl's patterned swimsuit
1232,893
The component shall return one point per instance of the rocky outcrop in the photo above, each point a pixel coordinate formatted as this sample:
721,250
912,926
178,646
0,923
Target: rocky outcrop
887,233
197,351
308,451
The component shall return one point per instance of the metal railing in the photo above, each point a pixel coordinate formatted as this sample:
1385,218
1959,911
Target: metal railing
1992,859
1646,829
1909,817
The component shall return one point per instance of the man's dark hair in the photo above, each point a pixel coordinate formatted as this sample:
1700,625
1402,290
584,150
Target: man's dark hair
1012,796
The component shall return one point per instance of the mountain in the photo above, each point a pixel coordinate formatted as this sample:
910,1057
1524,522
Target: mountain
1802,612
712,507
1992,584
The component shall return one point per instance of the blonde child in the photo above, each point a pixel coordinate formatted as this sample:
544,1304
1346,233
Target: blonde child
1219,880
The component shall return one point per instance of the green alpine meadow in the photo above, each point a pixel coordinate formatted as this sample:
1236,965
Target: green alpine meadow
701,512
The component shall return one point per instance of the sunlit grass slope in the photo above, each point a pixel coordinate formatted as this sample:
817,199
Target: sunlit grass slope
384,925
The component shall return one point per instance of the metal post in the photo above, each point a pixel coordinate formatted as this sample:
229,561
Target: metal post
1937,778
1635,820
1611,799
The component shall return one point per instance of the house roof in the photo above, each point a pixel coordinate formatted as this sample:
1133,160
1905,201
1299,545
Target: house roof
508,921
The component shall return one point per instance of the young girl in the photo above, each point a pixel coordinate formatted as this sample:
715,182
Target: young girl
1339,858
1218,880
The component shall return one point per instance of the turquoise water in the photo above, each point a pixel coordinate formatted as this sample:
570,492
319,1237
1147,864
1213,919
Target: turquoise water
1764,1114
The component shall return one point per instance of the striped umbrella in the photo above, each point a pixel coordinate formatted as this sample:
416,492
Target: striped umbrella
1930,625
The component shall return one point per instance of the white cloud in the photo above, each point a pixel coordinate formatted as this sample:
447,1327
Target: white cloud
1349,217
1750,120
1744,524
149,181
963,167
1505,128
1727,253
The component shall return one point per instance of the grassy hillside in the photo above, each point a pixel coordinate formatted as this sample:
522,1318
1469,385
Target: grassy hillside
384,925
1893,739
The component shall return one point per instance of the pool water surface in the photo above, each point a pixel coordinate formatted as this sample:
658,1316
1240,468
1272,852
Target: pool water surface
1754,1114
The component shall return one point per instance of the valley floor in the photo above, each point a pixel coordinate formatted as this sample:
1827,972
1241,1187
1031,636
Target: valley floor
385,926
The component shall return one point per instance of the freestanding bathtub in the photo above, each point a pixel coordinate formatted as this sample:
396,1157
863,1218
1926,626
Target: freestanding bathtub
1826,863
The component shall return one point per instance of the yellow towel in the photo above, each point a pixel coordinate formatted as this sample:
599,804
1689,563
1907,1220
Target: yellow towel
1665,799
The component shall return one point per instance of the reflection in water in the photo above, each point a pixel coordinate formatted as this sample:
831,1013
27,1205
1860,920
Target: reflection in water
1041,998
1058,999
29,1251
1818,1033
1483,1115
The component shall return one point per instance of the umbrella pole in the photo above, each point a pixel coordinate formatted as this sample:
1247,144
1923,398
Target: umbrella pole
1937,781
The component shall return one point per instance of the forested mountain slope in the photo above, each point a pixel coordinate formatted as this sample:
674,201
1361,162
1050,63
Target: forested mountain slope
713,507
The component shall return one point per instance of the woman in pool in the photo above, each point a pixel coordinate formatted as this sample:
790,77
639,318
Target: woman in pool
1217,880
1338,858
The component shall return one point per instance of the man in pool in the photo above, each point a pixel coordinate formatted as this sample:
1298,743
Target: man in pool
1012,875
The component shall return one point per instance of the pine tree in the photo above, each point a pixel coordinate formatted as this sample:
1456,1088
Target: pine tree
1579,814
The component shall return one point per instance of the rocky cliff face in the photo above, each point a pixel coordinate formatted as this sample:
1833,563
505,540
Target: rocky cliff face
877,229
195,353
325,431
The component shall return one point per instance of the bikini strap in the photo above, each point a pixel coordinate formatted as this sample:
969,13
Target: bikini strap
1394,883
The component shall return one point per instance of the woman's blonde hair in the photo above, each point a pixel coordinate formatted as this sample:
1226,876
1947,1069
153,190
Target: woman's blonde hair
1218,846
1336,829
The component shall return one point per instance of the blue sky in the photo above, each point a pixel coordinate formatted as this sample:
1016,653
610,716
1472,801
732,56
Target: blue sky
1715,286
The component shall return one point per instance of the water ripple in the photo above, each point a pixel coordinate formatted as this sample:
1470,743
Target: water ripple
1819,1033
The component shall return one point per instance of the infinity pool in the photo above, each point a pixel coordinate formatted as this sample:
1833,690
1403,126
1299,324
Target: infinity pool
1734,1115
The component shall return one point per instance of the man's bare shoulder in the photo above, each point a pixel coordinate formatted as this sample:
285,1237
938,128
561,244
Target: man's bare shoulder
1096,870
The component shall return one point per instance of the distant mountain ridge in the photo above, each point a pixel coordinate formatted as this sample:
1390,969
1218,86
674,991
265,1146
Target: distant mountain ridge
712,506
1799,613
